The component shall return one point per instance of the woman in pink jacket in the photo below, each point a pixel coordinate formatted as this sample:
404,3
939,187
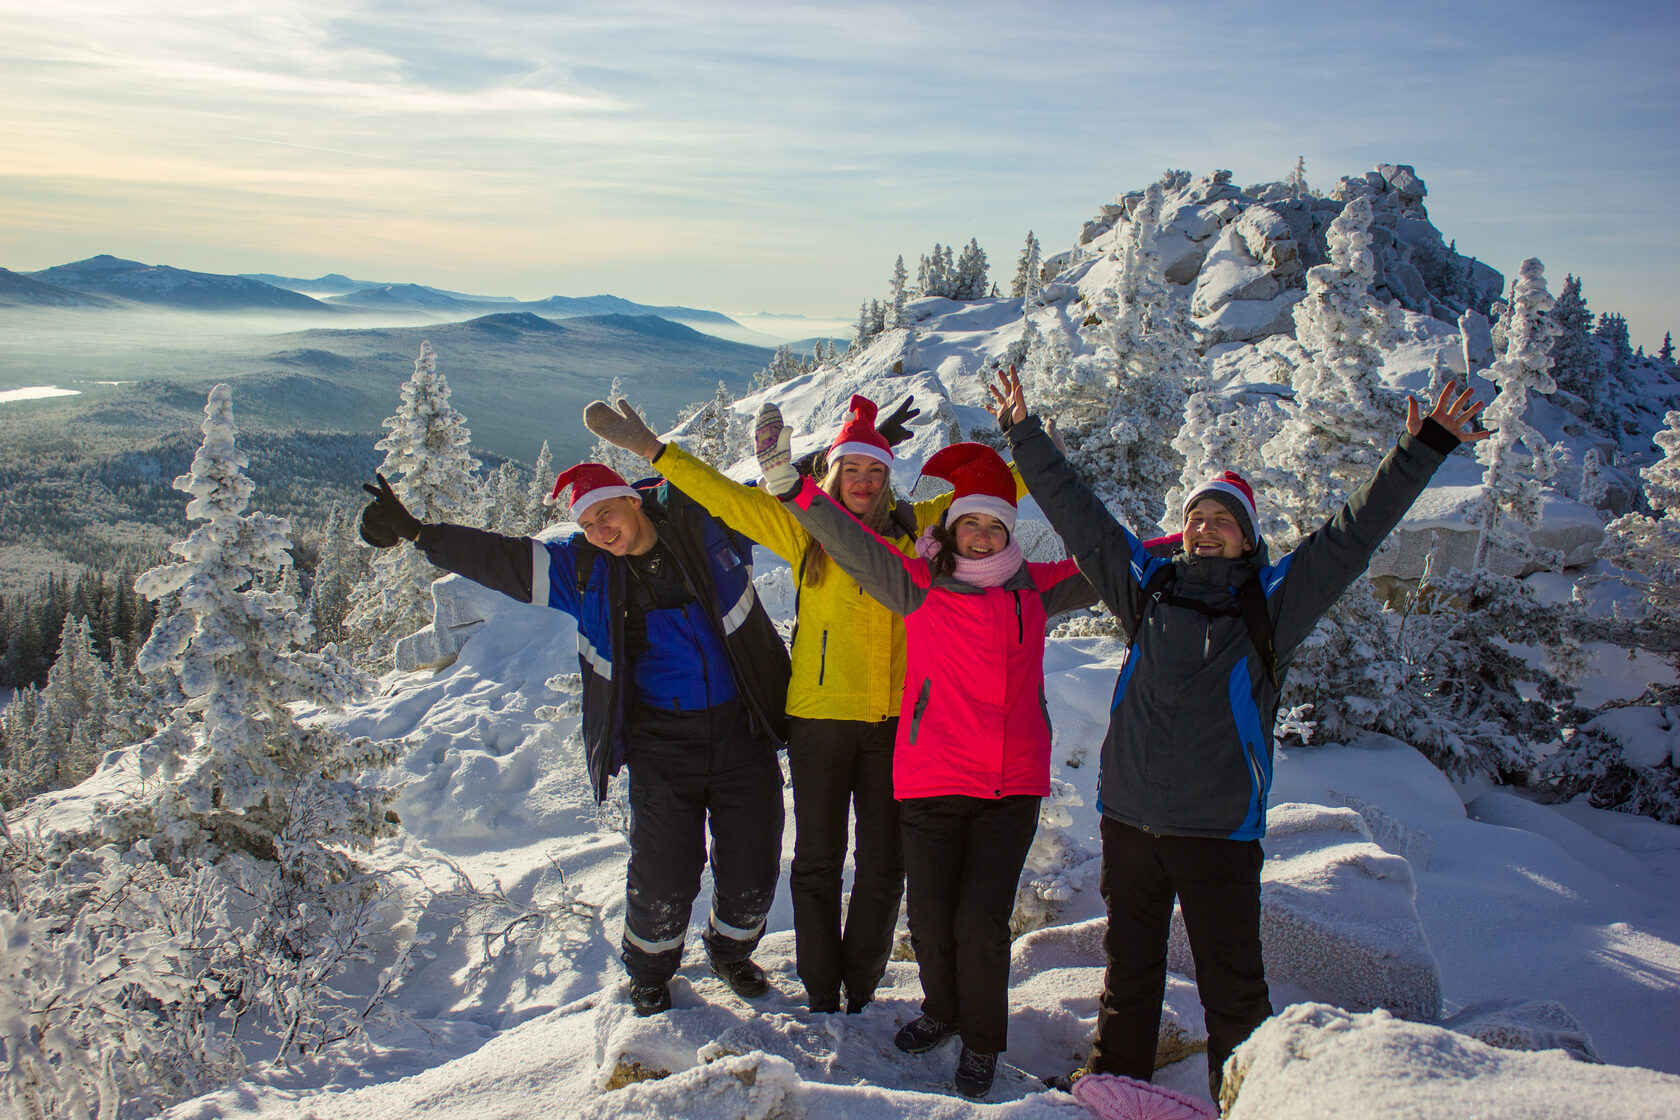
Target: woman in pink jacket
972,758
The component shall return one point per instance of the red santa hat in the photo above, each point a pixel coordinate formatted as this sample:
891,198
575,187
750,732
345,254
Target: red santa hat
858,435
1232,491
982,479
590,483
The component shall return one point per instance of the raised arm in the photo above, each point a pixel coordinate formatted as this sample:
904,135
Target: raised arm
1112,558
1329,559
877,566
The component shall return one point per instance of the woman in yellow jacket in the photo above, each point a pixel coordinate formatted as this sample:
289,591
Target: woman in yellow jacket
843,699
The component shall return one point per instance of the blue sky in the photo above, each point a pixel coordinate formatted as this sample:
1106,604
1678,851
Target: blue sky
751,156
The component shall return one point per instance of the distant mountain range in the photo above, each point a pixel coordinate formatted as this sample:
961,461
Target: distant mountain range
105,281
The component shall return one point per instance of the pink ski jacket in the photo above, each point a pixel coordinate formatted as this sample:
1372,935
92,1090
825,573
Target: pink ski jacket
972,719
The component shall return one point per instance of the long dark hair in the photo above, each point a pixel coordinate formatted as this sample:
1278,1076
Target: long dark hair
945,562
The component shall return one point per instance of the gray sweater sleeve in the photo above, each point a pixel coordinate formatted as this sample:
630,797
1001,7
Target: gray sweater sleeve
1329,559
879,567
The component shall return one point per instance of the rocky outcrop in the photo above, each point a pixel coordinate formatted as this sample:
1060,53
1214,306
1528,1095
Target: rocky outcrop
1338,916
457,613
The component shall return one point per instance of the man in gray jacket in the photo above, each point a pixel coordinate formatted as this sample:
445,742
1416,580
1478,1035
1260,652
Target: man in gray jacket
1187,761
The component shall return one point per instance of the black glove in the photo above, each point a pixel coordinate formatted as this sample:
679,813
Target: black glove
895,429
385,521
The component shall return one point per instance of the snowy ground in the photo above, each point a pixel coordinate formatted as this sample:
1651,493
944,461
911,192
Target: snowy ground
1517,900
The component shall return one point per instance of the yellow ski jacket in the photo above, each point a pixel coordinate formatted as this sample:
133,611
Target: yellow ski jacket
848,650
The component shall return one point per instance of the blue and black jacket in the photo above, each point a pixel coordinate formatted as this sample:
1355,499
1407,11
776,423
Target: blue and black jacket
1189,744
719,646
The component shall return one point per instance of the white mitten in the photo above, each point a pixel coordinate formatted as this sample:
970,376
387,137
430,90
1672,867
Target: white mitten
773,442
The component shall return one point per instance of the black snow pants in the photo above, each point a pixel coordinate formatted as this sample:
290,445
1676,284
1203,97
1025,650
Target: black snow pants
841,767
691,772
1217,883
963,858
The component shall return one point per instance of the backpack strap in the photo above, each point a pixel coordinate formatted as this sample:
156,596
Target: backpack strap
1251,600
583,556
1251,605
1151,595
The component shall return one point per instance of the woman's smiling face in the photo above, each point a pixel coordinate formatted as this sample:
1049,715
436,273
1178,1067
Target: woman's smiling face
979,535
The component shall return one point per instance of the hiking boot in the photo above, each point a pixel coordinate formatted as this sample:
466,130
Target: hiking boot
975,1070
650,997
823,1005
855,1004
922,1034
744,977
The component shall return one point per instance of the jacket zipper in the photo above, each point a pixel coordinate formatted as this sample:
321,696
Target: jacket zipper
822,661
1020,630
921,706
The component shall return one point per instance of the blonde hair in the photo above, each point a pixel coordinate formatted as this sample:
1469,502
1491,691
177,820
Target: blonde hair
815,560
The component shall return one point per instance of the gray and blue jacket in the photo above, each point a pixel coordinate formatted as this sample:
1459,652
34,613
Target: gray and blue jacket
1189,744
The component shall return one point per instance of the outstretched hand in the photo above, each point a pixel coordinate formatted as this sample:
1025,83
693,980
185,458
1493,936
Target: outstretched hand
386,520
895,429
622,427
774,445
1456,414
1009,403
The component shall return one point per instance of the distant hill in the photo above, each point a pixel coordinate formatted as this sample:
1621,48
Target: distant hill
17,290
173,287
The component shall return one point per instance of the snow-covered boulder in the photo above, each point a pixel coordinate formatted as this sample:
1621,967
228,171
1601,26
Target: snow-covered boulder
1242,320
1231,272
1338,916
1525,1024
1320,1061
458,610
755,1086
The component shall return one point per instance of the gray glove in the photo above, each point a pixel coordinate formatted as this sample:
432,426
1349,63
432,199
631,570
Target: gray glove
773,442
622,428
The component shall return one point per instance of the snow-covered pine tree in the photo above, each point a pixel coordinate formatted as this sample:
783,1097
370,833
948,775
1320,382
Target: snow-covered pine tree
507,514
340,566
1516,459
1337,428
537,514
1666,354
239,771
1026,285
715,432
897,295
1645,547
783,367
75,705
1298,179
862,330
1575,364
969,281
430,465
1143,350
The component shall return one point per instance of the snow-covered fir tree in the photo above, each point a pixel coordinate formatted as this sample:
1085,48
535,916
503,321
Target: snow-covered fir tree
1340,423
715,431
896,295
507,514
783,367
1575,363
1298,179
1516,459
1143,353
968,280
1026,285
538,514
1666,354
936,274
237,770
430,465
340,566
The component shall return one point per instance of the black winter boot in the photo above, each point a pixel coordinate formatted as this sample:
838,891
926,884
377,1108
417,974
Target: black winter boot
650,997
923,1034
744,977
975,1071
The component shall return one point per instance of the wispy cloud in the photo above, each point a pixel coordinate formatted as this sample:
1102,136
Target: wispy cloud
664,147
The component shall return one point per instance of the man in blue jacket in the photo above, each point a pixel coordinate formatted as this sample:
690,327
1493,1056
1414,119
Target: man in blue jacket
684,677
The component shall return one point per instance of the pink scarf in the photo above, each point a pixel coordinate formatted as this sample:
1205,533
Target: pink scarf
990,572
